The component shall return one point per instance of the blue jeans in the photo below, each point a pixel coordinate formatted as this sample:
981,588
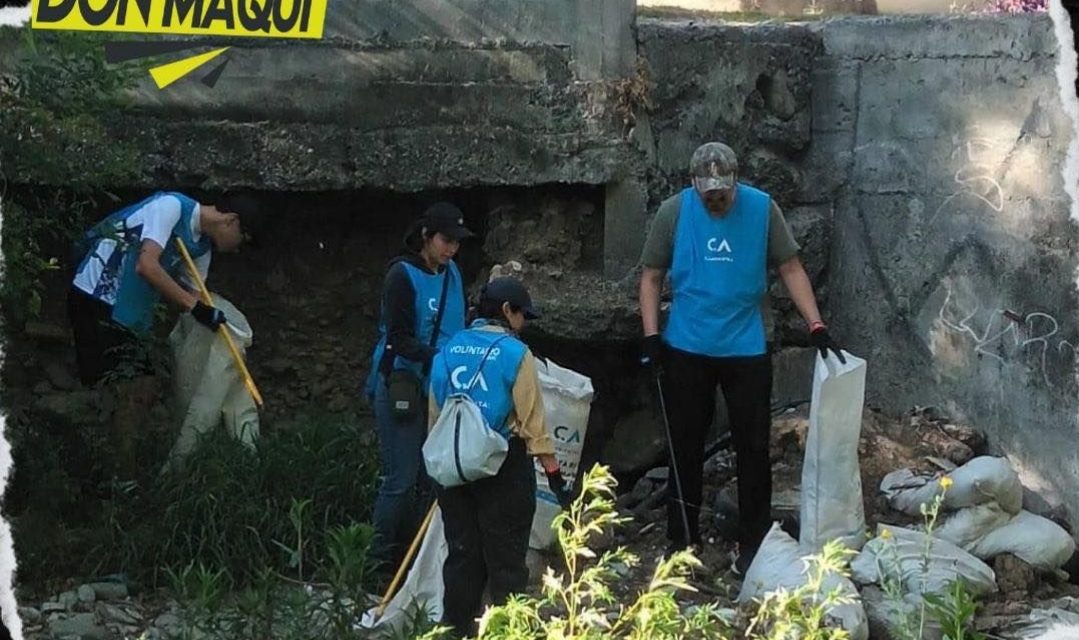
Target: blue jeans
405,491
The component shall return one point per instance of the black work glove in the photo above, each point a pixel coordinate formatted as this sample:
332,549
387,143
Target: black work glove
558,488
209,316
652,353
820,339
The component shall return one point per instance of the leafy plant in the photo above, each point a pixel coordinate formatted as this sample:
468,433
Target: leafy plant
954,611
800,614
580,603
56,97
274,606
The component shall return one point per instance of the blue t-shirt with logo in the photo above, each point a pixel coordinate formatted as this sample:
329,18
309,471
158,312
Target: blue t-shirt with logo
719,276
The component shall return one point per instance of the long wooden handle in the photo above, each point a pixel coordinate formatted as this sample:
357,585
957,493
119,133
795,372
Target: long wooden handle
249,382
404,563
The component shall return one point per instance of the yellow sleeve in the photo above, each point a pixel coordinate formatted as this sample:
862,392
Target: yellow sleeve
528,419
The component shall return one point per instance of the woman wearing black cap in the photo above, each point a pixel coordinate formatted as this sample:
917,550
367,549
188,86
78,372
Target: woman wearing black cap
487,522
423,304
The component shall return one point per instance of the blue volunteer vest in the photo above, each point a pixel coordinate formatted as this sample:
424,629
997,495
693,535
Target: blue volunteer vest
135,297
457,363
719,276
428,291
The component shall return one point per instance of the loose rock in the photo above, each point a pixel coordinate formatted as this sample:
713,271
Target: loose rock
109,590
86,594
80,625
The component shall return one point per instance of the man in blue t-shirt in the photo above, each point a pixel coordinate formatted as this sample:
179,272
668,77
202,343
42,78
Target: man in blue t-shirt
716,239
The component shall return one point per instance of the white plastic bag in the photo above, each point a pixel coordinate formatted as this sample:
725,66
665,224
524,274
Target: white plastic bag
900,555
567,402
831,504
778,564
461,447
1038,541
421,590
1044,624
208,387
983,479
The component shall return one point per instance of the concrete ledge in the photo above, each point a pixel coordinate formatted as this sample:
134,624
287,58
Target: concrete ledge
315,157
1020,36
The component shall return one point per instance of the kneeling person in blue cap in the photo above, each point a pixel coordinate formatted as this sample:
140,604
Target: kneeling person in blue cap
488,522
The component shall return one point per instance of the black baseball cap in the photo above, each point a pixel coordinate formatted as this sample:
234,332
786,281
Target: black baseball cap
447,219
511,290
247,208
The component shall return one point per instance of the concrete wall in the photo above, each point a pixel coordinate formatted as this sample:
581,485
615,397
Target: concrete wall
401,95
953,257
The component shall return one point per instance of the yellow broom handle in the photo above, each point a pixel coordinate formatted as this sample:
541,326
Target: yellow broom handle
248,380
404,563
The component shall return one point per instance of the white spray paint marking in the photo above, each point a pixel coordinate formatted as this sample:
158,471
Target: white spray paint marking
975,175
1006,336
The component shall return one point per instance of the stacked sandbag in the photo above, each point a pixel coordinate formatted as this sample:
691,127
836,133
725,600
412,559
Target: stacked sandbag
982,480
899,555
779,565
982,513
900,558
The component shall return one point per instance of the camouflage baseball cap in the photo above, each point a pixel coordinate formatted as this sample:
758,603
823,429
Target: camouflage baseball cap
713,166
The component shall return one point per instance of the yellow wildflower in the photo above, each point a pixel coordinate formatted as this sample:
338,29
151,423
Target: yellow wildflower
886,534
946,482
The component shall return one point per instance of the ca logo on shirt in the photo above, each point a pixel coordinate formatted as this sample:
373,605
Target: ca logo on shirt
719,250
432,304
455,379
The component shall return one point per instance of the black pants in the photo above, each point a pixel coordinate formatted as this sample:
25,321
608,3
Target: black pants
689,389
101,345
487,525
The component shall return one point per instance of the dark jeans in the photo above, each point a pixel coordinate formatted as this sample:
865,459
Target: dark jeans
405,491
100,344
487,525
689,389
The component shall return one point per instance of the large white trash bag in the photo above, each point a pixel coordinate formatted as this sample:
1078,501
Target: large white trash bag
567,402
779,564
900,555
831,501
422,589
209,388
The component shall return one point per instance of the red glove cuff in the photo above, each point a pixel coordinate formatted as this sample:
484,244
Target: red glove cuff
816,326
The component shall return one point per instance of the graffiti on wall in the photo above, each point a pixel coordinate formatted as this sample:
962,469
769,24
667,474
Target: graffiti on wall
1034,339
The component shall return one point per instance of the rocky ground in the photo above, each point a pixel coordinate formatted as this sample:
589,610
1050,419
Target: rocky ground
922,439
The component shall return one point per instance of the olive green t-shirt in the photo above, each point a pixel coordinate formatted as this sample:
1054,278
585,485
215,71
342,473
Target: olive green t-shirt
659,246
